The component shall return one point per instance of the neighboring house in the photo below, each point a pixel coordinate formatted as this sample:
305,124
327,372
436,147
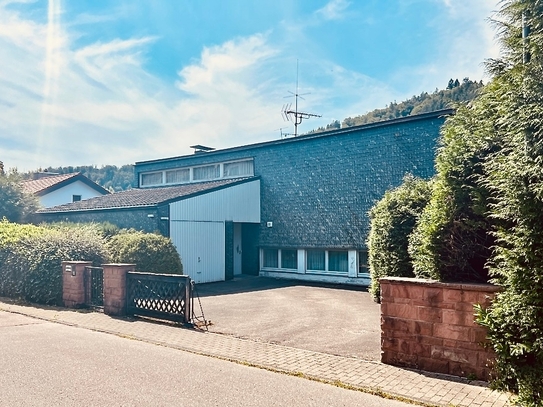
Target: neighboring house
57,189
292,208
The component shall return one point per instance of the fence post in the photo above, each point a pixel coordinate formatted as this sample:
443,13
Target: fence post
115,288
188,300
73,283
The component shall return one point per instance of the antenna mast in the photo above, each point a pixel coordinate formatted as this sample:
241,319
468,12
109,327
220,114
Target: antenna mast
294,115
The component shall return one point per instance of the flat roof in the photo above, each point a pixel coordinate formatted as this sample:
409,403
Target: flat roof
328,133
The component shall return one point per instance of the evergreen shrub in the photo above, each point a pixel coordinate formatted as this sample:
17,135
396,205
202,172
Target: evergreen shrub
30,264
149,251
452,240
392,219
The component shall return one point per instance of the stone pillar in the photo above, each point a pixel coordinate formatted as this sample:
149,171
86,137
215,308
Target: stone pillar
115,288
73,283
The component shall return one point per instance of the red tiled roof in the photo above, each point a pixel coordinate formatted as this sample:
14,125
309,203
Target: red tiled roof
34,186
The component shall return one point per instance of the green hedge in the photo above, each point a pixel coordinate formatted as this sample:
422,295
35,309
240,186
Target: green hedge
392,220
149,251
30,262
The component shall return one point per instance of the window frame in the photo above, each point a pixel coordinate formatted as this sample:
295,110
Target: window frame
326,269
250,166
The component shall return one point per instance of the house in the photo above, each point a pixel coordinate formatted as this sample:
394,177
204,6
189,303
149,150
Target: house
295,208
56,189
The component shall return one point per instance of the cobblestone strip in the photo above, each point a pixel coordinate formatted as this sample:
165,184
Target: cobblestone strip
417,386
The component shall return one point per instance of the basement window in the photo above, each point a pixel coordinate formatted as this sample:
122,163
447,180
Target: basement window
328,261
280,259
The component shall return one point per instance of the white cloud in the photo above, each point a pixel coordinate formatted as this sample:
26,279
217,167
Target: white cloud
101,106
333,10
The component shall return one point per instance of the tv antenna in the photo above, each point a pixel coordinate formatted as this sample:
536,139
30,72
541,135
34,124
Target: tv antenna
284,135
294,115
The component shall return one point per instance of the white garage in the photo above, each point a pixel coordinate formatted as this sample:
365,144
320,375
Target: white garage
212,230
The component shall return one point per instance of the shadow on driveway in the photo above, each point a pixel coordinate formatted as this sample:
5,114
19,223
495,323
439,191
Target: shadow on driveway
337,319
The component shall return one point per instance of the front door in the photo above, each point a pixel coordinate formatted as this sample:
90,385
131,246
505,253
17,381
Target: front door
237,249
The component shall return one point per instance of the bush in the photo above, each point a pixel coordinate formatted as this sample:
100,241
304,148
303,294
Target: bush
149,251
453,240
31,265
392,220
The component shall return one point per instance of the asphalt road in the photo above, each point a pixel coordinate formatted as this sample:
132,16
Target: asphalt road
48,364
332,319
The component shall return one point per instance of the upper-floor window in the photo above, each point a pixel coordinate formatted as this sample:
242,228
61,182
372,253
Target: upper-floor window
151,178
178,176
206,172
76,198
199,173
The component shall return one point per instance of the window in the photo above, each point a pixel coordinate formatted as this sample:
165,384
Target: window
280,259
76,198
338,261
238,169
289,259
199,173
363,267
205,173
316,260
151,178
269,258
178,176
333,261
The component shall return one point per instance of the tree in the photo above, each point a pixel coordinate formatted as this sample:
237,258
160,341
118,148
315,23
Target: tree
452,241
515,179
15,204
486,209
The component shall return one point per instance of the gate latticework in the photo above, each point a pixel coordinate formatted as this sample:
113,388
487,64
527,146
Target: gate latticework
94,286
159,296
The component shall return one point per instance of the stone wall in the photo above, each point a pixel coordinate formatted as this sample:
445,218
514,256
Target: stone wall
429,325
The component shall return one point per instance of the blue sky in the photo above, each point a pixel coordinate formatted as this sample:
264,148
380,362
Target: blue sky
95,82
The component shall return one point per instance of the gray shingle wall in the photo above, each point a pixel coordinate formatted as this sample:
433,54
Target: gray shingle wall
318,191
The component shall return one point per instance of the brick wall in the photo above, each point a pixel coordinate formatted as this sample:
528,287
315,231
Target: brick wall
430,326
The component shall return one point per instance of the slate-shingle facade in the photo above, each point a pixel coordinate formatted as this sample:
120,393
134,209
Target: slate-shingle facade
316,190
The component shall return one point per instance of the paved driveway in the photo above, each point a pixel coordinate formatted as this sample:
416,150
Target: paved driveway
325,318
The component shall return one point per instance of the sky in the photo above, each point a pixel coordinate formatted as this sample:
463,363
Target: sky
98,82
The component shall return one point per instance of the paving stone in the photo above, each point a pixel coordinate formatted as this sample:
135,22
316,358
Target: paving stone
418,386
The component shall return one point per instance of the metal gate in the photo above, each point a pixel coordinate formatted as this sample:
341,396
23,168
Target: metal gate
163,296
94,286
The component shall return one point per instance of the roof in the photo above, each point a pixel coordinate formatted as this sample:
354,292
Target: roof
328,133
145,197
46,185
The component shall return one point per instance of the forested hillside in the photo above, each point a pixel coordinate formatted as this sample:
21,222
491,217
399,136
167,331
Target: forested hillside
455,92
110,177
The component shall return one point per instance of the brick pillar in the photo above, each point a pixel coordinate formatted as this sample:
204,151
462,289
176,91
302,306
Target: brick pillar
115,288
73,283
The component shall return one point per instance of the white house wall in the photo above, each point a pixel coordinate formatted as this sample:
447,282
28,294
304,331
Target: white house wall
239,203
65,194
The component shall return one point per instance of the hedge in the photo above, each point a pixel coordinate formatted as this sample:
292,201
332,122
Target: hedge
392,220
149,251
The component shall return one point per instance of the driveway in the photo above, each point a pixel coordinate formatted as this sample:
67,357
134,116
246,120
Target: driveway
340,320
